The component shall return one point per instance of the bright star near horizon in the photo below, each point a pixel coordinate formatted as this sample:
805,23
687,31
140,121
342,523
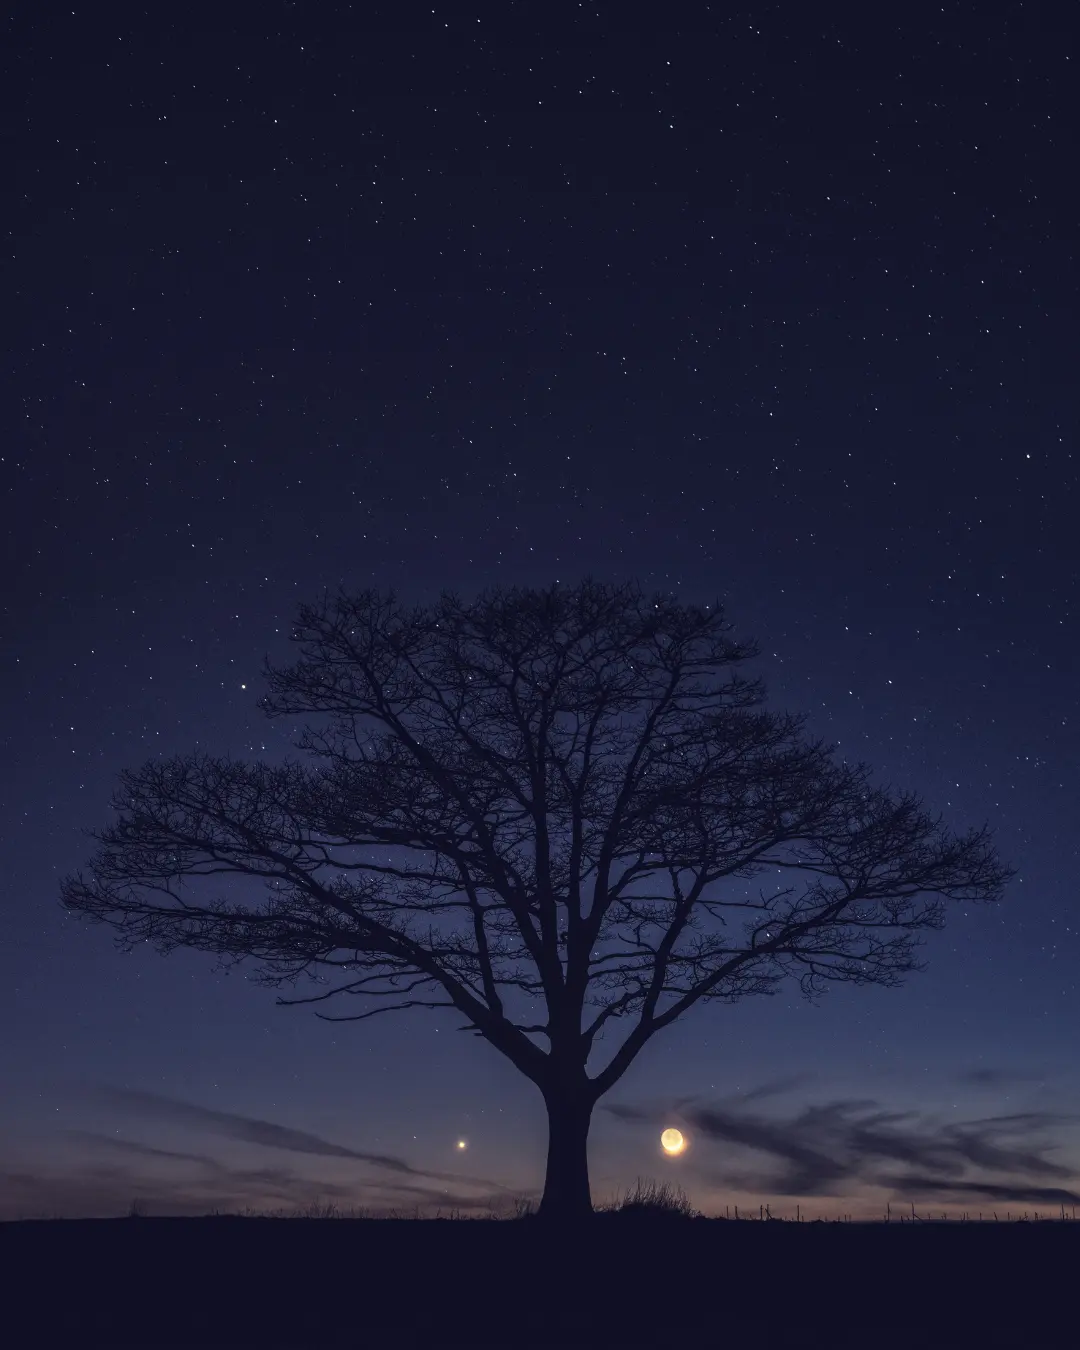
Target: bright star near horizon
462,1144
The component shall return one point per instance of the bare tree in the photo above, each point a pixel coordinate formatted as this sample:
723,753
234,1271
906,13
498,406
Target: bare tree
563,813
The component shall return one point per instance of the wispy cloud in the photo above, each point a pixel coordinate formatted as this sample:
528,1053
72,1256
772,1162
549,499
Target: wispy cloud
829,1149
118,1171
999,1077
249,1129
987,1190
132,1147
776,1087
265,1133
111,1188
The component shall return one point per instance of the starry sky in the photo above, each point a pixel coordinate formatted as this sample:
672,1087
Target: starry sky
775,304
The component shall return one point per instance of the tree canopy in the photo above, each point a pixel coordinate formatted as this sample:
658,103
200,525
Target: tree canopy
564,813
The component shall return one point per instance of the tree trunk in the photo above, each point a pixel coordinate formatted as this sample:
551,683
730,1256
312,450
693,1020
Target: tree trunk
566,1183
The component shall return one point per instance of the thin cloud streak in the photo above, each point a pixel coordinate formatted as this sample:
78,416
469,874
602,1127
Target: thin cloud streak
133,1147
986,1190
833,1148
112,1189
268,1134
990,1077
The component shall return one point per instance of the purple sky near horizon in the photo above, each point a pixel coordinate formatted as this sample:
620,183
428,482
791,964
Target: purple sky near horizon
745,305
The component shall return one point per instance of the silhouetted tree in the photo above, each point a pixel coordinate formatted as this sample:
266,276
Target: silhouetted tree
540,800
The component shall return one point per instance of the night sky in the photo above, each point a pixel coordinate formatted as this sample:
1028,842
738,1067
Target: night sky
771,304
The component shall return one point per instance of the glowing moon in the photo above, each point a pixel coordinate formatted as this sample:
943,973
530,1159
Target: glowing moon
672,1142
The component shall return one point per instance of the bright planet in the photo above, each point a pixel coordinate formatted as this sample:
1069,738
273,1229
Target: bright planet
672,1141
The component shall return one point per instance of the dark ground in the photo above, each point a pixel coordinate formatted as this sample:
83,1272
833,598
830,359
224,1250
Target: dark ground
297,1283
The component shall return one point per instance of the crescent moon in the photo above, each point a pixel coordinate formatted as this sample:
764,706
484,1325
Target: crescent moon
673,1142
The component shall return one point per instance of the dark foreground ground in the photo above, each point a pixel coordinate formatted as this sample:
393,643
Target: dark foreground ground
290,1284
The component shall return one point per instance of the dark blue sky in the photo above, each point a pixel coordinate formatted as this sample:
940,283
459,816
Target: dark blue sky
776,304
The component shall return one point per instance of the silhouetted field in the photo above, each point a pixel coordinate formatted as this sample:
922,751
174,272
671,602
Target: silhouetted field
619,1282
